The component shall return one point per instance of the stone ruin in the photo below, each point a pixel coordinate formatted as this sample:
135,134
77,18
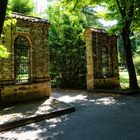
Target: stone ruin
24,75
102,60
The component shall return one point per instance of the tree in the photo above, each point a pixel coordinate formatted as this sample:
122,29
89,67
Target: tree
128,11
66,42
22,6
127,14
91,17
3,6
134,47
137,53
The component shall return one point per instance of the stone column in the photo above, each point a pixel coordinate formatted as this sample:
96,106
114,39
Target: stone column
89,53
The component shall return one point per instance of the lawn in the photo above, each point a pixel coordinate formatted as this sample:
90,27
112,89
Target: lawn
124,79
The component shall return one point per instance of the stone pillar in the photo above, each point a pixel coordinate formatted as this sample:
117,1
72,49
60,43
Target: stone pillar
89,53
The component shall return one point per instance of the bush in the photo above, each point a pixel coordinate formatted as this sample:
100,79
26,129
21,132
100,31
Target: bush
137,64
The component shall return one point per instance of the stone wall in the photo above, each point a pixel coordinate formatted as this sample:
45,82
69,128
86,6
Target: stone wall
6,64
18,93
39,85
40,53
102,60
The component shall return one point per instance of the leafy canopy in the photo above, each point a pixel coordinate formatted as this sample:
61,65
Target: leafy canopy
119,10
66,41
22,6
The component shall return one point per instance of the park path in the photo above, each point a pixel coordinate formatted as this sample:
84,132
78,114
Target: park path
97,117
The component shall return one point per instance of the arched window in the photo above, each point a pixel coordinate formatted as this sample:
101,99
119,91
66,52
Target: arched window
21,60
104,61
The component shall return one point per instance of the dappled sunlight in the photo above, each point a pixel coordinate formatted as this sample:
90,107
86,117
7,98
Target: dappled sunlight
96,110
105,101
10,117
19,136
31,110
88,98
69,99
51,136
53,122
95,99
36,130
44,106
22,111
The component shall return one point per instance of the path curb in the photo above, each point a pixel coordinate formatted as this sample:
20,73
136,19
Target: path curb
129,92
25,121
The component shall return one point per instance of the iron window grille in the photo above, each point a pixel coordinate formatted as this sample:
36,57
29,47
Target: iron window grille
21,59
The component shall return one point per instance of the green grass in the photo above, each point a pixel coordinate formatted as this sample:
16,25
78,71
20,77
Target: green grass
124,79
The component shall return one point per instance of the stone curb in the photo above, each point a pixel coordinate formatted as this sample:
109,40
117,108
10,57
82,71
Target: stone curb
22,122
130,92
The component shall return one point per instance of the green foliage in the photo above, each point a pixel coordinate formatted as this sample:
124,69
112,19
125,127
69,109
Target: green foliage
137,63
92,17
134,48
119,10
127,14
137,39
124,79
22,6
122,62
3,52
8,10
67,51
133,43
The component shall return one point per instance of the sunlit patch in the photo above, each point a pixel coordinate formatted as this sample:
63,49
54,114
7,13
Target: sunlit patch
69,99
29,110
53,122
92,100
52,126
8,108
10,117
105,101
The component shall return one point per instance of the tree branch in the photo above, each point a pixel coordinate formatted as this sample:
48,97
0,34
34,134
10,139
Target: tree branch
131,11
120,8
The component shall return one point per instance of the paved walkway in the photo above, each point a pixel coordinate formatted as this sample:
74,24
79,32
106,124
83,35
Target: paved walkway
97,117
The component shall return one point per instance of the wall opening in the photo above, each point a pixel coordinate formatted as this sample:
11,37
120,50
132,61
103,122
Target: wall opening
21,59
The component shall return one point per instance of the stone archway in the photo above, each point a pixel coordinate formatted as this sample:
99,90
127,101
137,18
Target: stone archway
21,59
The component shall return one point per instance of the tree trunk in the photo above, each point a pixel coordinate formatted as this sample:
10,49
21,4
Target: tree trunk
129,61
3,6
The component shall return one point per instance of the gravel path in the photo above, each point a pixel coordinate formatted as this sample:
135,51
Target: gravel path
97,117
